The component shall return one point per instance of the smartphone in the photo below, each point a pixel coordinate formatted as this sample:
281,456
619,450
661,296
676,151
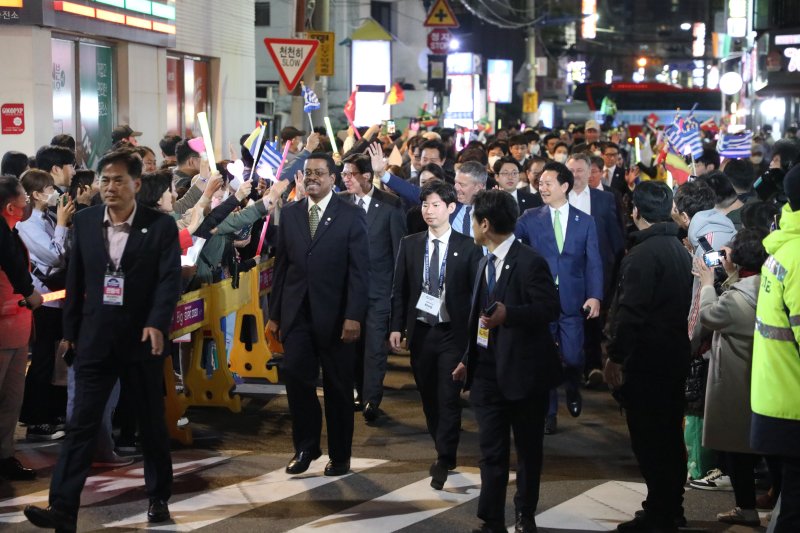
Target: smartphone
391,129
489,311
384,127
713,258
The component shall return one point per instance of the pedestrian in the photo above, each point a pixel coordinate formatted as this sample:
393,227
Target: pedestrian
319,301
15,321
123,282
648,355
776,358
433,279
511,362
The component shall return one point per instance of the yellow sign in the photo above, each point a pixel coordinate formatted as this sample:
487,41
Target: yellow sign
441,16
530,102
325,57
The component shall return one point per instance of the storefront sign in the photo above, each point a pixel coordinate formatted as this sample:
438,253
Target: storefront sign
500,74
325,52
13,119
97,102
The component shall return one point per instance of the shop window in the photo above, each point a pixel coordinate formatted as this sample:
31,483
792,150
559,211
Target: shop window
84,96
187,93
262,14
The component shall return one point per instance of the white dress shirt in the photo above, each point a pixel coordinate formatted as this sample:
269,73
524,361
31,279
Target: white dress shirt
582,200
444,240
117,236
323,204
563,217
500,254
367,198
458,220
608,171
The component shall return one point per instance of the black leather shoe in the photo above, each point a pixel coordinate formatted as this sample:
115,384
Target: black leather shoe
574,401
157,512
525,523
301,461
358,405
337,468
490,528
51,519
550,425
679,521
12,469
371,412
438,472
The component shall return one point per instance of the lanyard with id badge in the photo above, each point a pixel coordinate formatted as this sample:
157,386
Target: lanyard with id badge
431,303
483,331
113,281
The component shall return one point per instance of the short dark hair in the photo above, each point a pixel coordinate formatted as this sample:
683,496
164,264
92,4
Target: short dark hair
741,173
434,145
49,156
709,157
724,193
473,154
497,144
64,140
9,190
598,162
184,152
436,186
693,197
168,144
614,146
154,185
517,140
327,158
143,151
436,170
499,208
559,144
361,161
550,136
563,174
35,180
131,160
506,160
759,215
747,248
14,164
653,199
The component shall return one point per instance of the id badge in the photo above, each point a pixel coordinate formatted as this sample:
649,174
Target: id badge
483,336
428,303
113,289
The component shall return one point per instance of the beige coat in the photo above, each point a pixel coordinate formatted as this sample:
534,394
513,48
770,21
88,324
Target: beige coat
732,317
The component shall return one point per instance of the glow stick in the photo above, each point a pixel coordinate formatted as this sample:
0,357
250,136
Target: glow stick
283,159
638,149
202,120
55,295
329,129
263,234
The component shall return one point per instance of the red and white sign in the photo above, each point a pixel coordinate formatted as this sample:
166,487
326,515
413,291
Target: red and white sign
12,117
292,57
439,41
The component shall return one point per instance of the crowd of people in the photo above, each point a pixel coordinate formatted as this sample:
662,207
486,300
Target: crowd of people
507,264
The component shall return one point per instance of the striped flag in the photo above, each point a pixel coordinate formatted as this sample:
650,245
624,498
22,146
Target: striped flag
691,137
270,156
673,134
735,146
251,144
310,100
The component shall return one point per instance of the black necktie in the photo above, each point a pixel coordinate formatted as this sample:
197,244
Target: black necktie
492,272
466,223
433,280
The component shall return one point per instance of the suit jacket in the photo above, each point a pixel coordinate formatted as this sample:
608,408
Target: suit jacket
527,200
579,266
526,356
330,270
386,226
409,193
609,231
462,261
152,268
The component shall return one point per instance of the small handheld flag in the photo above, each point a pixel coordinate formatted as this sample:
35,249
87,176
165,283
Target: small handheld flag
310,100
735,146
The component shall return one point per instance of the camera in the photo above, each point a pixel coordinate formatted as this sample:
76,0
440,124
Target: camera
713,258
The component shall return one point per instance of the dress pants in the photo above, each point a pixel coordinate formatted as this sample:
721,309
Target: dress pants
44,402
304,354
789,514
105,441
497,417
94,382
372,352
12,383
434,355
568,332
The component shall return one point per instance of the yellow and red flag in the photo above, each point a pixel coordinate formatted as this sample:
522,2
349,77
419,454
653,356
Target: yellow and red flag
395,95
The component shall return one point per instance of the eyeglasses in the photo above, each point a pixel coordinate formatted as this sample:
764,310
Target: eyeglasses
347,174
509,173
318,172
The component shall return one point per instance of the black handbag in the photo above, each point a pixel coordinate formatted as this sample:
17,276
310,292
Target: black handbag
696,379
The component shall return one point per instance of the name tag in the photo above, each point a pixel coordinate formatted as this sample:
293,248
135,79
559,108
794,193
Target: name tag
429,304
483,336
113,289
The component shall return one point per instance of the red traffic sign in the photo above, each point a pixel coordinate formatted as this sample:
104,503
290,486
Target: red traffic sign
439,41
292,57
441,16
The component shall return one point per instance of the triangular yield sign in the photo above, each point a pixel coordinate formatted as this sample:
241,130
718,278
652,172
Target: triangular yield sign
441,16
292,57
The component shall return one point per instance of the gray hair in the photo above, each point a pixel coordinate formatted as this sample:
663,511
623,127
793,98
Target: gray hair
474,170
581,156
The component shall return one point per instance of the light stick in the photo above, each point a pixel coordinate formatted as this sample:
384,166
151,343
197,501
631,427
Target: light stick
202,120
329,129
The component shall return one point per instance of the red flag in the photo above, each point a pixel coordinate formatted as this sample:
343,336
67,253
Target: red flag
350,108
395,95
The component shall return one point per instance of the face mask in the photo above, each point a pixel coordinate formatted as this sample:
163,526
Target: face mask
535,149
492,160
561,158
756,159
52,199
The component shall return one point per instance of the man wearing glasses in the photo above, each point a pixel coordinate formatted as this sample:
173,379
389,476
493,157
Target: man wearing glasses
319,300
507,173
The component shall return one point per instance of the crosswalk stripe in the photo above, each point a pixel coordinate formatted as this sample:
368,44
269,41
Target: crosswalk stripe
112,483
401,508
206,508
598,509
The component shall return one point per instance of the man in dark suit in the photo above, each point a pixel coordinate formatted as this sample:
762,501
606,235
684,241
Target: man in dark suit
386,225
430,301
319,300
567,238
511,361
123,282
507,173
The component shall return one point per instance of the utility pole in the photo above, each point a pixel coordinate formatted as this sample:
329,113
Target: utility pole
531,118
299,27
321,22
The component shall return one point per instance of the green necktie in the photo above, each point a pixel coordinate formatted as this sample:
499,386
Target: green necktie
313,219
556,228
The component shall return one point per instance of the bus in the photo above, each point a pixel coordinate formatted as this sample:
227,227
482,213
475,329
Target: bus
636,101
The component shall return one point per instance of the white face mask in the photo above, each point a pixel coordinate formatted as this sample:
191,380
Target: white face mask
535,148
52,199
756,159
492,160
561,158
